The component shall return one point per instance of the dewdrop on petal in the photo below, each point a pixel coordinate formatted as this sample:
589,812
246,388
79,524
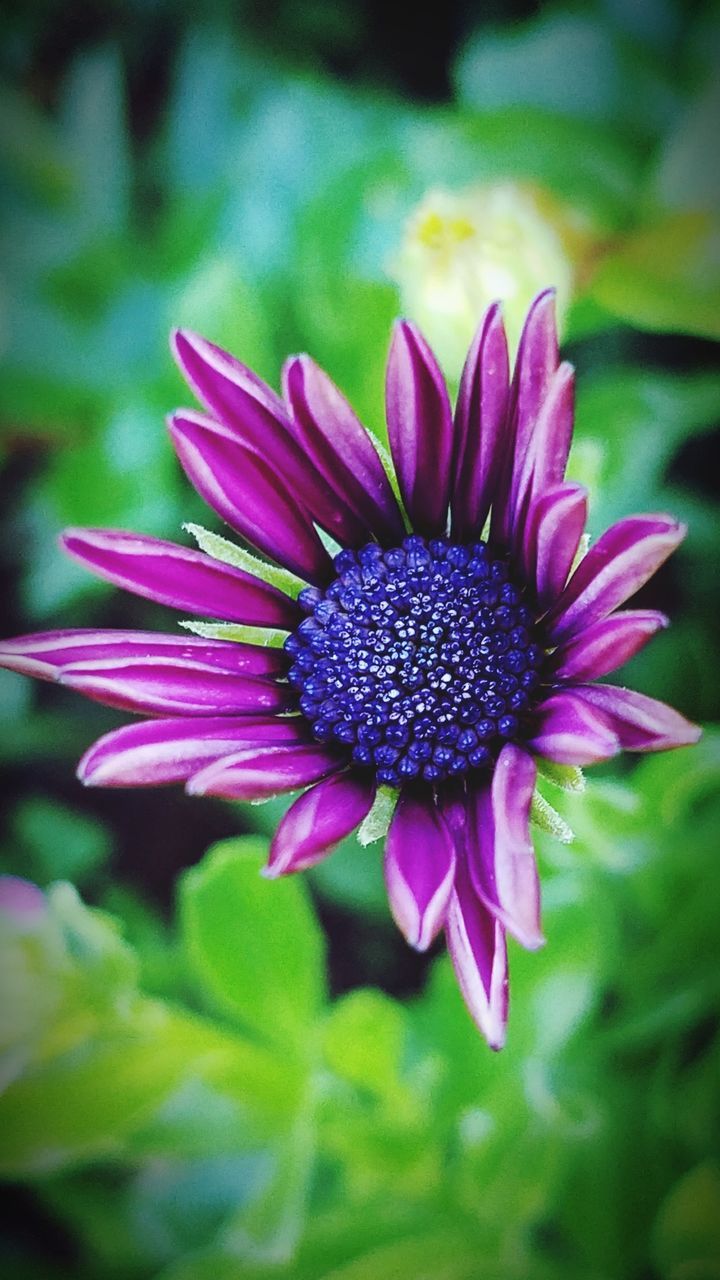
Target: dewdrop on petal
463,250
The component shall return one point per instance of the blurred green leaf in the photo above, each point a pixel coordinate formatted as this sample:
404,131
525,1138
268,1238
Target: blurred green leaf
254,944
683,178
665,276
687,1232
640,413
95,138
84,1105
567,62
364,1042
50,841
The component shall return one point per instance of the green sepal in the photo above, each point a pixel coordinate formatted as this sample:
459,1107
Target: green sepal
569,777
389,468
234,631
331,546
375,824
222,549
548,819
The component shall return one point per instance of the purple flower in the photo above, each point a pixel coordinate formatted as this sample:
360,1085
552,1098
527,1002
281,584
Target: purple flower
437,663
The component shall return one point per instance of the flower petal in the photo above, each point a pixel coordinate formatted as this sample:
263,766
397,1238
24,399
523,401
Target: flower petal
341,449
45,653
166,686
244,489
606,645
480,417
318,820
501,857
180,577
157,752
641,723
620,562
548,447
536,362
260,772
256,418
225,386
21,901
478,951
419,868
551,539
420,428
569,731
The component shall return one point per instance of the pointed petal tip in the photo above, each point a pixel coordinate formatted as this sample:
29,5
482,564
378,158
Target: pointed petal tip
194,787
544,298
84,771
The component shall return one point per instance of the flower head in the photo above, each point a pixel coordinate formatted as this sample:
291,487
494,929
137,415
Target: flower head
450,642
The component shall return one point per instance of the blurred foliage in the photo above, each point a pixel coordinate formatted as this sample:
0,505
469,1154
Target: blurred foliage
183,1098
289,1137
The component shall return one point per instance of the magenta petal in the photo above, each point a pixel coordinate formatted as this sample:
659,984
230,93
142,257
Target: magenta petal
245,490
569,731
341,450
500,854
537,360
620,562
165,686
157,752
606,645
478,950
318,820
22,902
224,385
44,654
256,418
552,536
257,773
180,577
419,869
480,415
547,451
420,428
641,723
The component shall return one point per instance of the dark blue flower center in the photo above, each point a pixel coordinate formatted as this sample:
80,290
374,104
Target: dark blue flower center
420,660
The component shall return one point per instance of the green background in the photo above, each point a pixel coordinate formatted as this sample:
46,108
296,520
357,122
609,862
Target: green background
208,1075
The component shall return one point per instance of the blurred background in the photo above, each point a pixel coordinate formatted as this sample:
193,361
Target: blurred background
207,1075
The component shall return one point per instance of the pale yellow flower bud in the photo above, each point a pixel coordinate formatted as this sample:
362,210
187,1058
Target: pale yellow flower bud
463,250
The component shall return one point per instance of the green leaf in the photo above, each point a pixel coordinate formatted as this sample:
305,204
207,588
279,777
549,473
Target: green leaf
665,277
589,165
96,140
569,63
52,841
449,1255
254,943
655,410
683,178
270,1227
29,148
364,1041
687,1231
229,553
85,1103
